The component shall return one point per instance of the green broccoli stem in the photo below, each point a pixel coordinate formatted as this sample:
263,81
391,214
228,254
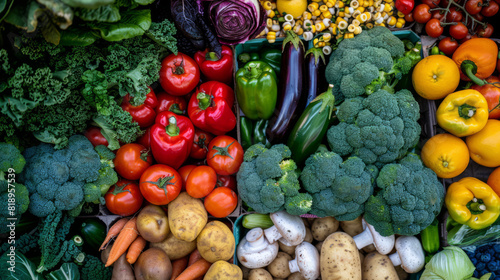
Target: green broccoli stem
469,68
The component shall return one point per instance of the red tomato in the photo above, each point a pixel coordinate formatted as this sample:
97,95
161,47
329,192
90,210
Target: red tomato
225,155
201,181
143,114
95,136
160,184
431,3
458,31
437,14
433,28
131,160
469,36
492,95
454,15
221,202
409,17
473,6
145,139
167,102
448,46
490,10
485,32
421,13
124,198
184,171
227,181
201,141
478,16
179,74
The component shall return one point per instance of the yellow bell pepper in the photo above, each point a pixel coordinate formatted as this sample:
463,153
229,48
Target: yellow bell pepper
463,113
473,203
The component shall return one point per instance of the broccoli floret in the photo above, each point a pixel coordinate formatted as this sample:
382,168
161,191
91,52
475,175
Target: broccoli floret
298,204
20,204
11,157
94,269
379,128
338,189
407,199
107,173
267,177
356,64
56,179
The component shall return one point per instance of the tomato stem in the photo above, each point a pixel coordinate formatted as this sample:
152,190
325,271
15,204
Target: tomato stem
163,182
469,68
222,151
462,8
120,189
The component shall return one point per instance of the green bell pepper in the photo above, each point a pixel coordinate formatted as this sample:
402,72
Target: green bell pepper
259,133
256,90
253,132
430,237
273,58
246,57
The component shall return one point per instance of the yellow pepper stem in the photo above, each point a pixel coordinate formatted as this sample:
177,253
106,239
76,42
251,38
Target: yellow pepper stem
466,111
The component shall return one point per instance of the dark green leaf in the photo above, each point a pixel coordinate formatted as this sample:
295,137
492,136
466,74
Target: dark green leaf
23,268
133,23
22,15
89,4
108,13
144,2
4,11
68,271
49,29
59,13
3,4
78,37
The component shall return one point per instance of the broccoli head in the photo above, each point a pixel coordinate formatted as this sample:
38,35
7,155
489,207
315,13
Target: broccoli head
338,189
268,180
379,128
366,63
407,198
63,179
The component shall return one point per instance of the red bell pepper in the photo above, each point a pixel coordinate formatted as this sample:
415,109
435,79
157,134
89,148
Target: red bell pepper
210,108
215,68
167,102
491,92
143,114
405,6
171,139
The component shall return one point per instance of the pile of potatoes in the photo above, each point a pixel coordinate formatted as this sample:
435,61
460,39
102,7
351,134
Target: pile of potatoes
342,260
175,237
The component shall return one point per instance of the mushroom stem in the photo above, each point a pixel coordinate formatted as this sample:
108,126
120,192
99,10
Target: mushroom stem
256,240
294,266
272,234
395,259
363,239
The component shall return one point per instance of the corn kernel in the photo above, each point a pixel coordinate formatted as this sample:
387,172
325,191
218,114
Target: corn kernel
270,13
369,25
269,23
400,14
312,7
316,13
327,14
306,15
348,35
267,5
323,8
399,25
391,20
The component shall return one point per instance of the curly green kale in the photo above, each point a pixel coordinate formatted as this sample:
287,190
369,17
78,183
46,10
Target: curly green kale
268,181
163,34
62,179
339,188
366,63
94,269
407,198
379,128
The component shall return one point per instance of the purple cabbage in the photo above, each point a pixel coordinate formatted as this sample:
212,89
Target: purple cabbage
237,21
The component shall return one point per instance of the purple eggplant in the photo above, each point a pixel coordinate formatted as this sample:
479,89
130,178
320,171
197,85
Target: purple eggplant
289,90
314,81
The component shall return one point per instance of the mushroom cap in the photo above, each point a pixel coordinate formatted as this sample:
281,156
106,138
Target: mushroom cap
291,228
307,258
411,253
256,256
383,244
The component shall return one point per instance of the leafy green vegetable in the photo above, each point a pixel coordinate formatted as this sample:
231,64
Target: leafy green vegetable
133,23
24,268
68,271
451,263
89,4
107,13
163,34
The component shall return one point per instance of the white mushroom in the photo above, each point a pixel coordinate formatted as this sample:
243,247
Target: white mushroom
254,251
383,244
409,254
287,228
306,261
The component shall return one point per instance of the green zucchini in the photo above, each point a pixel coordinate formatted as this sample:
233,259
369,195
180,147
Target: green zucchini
93,232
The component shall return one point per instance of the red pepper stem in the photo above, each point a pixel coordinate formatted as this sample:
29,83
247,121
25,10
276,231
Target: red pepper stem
223,151
172,129
204,100
470,69
175,109
211,56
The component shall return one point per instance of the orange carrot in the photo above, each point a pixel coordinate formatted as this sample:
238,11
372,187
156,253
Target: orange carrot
197,269
127,235
195,255
178,266
113,232
135,249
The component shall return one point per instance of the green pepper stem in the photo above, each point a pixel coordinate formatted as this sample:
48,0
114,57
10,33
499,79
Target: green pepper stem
204,100
254,72
172,129
211,56
244,57
476,206
175,109
466,111
470,69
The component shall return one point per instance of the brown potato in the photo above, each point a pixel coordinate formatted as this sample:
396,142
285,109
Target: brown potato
378,267
216,242
340,257
152,223
353,227
174,247
279,267
122,270
153,264
259,274
322,227
187,217
222,270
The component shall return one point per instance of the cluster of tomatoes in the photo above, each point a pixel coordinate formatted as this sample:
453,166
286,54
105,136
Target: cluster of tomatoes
185,146
458,20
